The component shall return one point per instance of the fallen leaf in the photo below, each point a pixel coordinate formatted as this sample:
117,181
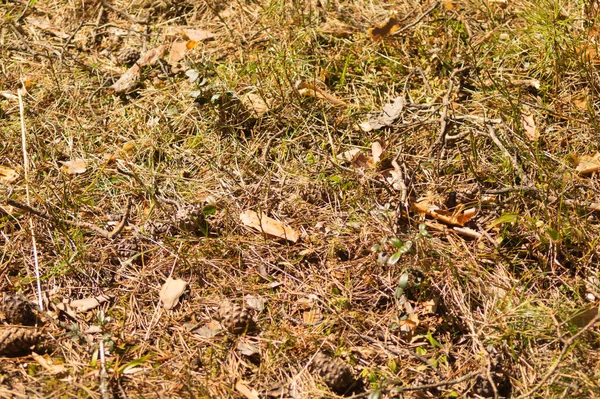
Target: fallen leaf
256,302
178,50
130,78
208,330
390,113
8,95
255,103
76,166
48,364
7,175
376,151
197,35
312,316
310,90
349,155
268,226
336,28
588,163
247,349
456,217
47,26
392,25
242,388
171,291
529,127
583,317
83,305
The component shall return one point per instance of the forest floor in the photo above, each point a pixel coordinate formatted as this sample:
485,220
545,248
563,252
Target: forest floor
299,199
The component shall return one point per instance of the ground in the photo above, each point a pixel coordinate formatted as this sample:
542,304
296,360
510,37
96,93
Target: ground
429,169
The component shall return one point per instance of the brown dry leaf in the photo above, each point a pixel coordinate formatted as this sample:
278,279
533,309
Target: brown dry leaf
310,90
390,113
349,155
392,25
255,103
8,175
74,167
178,50
268,226
47,26
171,291
130,78
583,317
312,316
197,35
242,388
336,28
409,324
588,163
457,217
48,364
529,126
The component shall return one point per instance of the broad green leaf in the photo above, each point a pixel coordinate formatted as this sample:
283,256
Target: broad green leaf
505,218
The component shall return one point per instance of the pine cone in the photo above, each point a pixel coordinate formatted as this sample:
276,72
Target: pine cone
129,248
15,310
336,374
191,219
128,56
235,319
15,340
156,229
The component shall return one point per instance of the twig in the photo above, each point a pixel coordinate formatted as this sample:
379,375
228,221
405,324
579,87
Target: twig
416,21
554,366
512,159
26,172
123,13
100,231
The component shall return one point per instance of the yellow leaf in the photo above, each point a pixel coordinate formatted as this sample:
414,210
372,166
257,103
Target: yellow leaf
74,167
268,226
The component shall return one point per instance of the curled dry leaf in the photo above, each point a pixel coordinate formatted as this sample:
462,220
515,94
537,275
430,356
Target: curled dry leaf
390,113
255,104
310,90
74,167
171,291
337,28
376,151
178,50
8,95
392,25
129,79
8,175
83,305
588,163
458,217
268,225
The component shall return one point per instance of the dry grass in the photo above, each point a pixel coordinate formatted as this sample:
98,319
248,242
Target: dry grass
505,299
